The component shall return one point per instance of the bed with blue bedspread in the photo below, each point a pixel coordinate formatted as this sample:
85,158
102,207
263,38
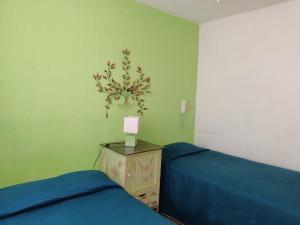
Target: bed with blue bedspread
205,187
79,198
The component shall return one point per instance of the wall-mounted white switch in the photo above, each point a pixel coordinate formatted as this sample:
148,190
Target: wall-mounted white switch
183,106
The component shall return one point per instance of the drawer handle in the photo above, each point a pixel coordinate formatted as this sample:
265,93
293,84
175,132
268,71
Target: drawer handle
142,195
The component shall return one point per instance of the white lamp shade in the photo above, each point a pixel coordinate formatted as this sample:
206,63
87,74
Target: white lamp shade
131,124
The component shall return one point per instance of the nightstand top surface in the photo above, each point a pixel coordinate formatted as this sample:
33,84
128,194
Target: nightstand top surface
142,146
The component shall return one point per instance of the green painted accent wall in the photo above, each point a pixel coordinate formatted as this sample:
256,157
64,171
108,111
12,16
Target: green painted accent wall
51,117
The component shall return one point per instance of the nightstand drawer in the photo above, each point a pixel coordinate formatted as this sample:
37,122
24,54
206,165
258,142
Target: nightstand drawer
149,197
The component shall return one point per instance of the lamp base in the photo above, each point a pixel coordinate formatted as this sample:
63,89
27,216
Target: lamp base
130,141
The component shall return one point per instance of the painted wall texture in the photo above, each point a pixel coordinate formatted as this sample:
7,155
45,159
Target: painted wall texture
51,117
248,85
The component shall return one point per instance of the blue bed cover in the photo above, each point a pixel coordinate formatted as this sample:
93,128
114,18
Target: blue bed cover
204,187
78,198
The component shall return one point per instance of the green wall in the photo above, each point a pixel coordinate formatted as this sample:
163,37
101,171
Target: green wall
51,117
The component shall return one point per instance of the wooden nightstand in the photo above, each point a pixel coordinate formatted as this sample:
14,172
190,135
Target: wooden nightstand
136,169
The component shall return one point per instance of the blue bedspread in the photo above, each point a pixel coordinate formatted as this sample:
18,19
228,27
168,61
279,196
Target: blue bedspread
79,198
204,187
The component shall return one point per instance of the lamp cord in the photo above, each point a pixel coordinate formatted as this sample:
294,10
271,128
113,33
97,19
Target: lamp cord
98,156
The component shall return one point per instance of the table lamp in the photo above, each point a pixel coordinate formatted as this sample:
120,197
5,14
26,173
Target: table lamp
131,128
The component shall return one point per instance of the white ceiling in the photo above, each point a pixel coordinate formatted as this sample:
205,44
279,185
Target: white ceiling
201,11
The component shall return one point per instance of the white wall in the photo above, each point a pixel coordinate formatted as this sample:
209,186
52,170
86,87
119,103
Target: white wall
248,88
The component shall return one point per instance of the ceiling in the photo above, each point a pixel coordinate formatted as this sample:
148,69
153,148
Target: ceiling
201,11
